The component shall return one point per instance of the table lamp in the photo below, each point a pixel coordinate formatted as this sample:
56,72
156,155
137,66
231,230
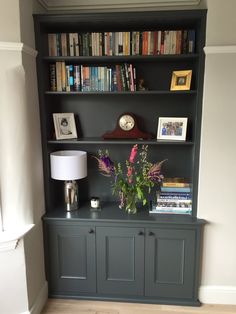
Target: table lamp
69,165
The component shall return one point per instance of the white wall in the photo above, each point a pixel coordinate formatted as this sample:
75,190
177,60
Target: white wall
218,156
10,20
21,174
13,288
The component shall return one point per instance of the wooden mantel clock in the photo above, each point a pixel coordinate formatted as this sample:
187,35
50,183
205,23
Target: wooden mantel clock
127,128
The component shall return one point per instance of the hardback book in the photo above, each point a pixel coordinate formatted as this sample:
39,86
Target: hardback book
176,189
52,75
174,195
59,76
171,211
176,182
52,45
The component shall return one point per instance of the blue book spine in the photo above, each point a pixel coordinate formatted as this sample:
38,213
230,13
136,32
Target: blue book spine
191,41
174,189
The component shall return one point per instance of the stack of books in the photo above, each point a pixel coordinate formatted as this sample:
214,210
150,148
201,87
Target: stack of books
174,197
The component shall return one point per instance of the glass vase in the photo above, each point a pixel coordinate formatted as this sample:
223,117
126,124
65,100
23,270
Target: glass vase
128,202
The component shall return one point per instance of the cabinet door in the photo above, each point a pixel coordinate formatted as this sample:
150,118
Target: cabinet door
170,263
120,260
72,261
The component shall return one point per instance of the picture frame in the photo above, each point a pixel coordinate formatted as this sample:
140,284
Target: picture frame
181,80
172,128
64,124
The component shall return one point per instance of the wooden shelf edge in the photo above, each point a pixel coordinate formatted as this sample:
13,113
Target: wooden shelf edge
142,58
83,141
161,92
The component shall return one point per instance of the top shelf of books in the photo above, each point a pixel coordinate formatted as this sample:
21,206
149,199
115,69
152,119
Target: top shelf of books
130,43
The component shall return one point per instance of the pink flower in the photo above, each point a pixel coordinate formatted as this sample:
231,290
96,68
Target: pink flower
133,153
129,174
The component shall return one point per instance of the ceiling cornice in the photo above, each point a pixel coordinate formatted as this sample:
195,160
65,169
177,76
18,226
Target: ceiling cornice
81,5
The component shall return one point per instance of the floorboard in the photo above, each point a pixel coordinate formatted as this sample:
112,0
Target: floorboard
63,306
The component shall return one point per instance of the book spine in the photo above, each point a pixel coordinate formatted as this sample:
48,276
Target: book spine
175,189
71,69
63,76
58,44
64,45
191,41
71,45
58,76
68,78
52,45
52,75
176,184
170,211
162,201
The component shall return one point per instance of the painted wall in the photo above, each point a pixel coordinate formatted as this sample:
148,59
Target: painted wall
221,22
13,281
21,175
218,155
10,20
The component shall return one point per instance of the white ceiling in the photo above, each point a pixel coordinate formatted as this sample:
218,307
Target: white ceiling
54,5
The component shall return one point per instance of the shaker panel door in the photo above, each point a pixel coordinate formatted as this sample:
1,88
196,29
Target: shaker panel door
72,260
170,263
120,260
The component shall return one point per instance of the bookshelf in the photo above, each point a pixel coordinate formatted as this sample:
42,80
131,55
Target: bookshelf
96,112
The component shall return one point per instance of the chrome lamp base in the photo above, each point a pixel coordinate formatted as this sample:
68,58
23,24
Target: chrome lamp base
71,195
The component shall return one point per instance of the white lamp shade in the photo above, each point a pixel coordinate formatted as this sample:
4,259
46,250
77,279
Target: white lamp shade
68,165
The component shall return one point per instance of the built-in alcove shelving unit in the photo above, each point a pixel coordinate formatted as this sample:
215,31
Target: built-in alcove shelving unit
161,254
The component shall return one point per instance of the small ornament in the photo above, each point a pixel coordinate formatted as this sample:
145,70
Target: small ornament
141,85
95,203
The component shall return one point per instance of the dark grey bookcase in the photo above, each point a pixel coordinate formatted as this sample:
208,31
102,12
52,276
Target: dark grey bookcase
76,247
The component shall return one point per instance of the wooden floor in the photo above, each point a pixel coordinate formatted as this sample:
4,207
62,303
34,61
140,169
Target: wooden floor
59,306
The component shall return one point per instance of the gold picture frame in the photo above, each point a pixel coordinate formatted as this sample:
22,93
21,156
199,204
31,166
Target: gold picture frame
181,80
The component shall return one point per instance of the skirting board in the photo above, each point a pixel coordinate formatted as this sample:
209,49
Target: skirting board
40,301
217,295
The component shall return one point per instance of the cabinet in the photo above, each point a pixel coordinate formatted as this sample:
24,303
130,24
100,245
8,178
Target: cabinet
159,259
112,256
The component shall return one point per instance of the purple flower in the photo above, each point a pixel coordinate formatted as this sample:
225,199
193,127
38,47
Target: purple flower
107,161
105,165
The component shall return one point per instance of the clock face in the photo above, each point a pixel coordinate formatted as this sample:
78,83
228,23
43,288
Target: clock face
126,122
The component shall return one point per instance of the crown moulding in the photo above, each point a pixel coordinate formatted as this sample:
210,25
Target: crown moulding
51,5
220,49
17,46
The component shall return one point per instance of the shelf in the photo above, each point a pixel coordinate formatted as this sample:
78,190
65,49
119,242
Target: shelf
98,140
148,92
112,59
111,212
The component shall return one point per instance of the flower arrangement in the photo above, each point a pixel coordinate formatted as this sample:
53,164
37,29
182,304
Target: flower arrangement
133,183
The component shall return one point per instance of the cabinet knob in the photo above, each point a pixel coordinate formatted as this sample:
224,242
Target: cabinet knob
151,233
91,231
141,233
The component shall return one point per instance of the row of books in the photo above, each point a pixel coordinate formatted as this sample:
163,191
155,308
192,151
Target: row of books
64,77
122,43
174,197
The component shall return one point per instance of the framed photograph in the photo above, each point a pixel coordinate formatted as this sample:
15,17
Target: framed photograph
64,124
172,128
181,80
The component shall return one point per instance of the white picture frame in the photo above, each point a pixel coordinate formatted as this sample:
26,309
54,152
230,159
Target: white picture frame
172,128
64,124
